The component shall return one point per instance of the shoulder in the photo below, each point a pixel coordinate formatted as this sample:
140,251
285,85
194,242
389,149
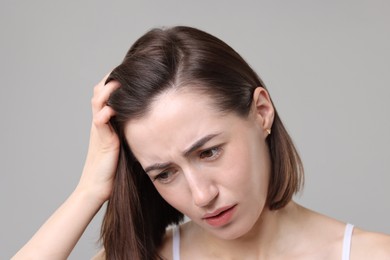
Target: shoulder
165,251
370,245
364,244
186,237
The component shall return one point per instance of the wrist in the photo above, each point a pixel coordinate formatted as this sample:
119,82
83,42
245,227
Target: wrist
88,197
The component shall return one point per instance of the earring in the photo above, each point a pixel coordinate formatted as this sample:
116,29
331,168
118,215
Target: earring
268,131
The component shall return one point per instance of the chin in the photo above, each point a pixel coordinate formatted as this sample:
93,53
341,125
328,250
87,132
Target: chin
233,230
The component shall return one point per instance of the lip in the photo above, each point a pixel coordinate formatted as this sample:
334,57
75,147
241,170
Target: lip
220,217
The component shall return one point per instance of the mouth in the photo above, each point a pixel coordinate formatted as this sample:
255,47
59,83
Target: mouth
220,217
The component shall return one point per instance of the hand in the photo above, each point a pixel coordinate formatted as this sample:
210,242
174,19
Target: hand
60,233
100,166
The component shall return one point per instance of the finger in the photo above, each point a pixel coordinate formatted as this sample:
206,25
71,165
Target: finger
100,98
101,83
102,123
102,118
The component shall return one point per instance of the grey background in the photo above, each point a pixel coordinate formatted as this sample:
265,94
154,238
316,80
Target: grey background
326,64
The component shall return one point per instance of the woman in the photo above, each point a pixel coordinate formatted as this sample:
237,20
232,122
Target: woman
185,127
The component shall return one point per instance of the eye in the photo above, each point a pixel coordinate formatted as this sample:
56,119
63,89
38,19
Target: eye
210,154
165,176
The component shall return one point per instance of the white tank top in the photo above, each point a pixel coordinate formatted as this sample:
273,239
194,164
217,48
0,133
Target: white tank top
346,242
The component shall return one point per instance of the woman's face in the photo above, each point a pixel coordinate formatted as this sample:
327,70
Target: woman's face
212,167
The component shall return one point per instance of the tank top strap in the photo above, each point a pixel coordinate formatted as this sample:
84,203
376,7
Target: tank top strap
176,242
347,241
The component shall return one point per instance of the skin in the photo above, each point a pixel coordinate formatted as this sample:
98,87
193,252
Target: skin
254,231
60,233
231,168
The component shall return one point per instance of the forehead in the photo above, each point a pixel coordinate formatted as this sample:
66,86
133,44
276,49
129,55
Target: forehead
176,118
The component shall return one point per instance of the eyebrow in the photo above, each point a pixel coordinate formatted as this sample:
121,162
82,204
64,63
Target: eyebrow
157,166
202,141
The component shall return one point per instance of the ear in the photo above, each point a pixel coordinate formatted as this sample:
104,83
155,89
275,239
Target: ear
263,110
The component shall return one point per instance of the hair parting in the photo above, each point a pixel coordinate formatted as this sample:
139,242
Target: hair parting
179,57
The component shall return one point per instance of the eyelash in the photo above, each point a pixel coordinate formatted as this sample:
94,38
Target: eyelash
202,155
162,179
214,156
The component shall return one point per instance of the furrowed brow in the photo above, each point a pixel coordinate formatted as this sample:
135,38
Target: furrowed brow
199,144
186,153
157,166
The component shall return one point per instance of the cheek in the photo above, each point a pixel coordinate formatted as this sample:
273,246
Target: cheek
247,171
170,194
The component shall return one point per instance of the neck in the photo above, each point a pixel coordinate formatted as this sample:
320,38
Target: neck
271,233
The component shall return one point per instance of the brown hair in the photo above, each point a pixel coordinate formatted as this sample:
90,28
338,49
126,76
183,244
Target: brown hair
137,215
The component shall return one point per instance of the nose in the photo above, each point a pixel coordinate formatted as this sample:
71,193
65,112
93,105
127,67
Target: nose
203,189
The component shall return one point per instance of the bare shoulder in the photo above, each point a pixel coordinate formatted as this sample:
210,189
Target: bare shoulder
165,251
100,255
370,245
364,244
